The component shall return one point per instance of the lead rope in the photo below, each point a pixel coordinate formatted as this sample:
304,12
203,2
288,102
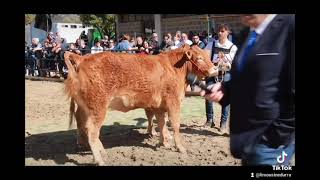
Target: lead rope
222,75
223,72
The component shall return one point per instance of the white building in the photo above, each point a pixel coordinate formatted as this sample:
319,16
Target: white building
69,31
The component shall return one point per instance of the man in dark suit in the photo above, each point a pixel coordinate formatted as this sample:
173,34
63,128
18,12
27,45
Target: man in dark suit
261,92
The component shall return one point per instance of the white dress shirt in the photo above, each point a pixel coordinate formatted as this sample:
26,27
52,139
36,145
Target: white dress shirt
259,30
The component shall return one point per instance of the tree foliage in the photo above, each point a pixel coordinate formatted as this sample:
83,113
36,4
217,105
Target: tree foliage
28,18
103,22
66,18
71,19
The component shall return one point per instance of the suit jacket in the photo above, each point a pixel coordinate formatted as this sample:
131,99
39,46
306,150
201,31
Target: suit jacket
262,94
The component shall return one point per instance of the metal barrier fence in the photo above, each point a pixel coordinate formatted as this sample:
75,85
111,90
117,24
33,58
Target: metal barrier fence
54,65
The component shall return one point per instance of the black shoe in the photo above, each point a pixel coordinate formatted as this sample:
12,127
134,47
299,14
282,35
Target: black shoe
208,123
212,125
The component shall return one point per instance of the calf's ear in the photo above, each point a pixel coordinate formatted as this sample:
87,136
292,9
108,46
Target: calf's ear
189,54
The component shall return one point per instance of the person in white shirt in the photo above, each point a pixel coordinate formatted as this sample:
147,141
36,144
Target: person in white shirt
227,51
176,40
185,40
97,47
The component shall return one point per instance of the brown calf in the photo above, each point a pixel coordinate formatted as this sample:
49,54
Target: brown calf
125,82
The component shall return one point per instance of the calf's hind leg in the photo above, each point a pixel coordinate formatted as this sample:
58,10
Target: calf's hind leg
93,126
174,117
82,138
151,131
163,128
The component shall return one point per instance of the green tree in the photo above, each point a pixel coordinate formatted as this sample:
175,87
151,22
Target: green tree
28,18
104,22
71,19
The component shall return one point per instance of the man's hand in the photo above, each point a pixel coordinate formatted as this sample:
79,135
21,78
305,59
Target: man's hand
216,94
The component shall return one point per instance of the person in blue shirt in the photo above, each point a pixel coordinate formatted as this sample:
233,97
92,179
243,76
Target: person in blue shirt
124,45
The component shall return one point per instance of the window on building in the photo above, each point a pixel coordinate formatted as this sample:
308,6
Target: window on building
73,26
64,26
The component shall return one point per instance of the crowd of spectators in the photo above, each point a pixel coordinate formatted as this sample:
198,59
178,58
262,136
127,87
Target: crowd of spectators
41,58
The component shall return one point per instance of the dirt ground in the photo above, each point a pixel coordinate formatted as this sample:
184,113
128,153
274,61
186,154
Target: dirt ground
48,142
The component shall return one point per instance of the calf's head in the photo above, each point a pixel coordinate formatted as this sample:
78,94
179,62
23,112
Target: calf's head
200,60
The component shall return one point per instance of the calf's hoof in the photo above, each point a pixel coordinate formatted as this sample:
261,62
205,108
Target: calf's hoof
152,133
99,163
181,149
165,144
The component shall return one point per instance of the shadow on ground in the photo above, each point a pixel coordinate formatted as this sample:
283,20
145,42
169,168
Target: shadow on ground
56,145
